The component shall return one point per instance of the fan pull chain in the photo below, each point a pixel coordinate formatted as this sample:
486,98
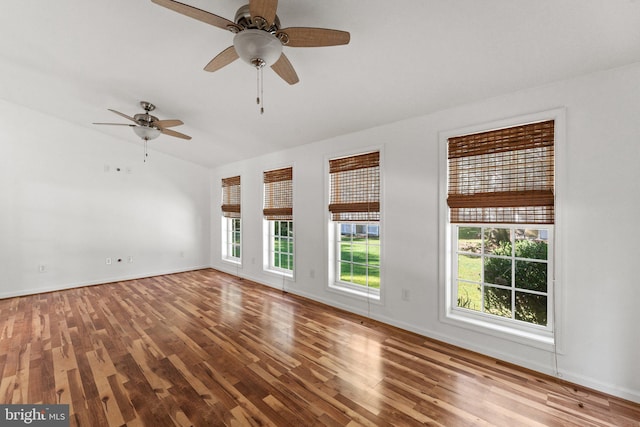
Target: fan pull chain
260,88
146,141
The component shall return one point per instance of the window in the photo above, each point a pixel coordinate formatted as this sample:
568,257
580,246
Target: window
500,194
231,228
503,271
359,249
354,204
278,215
281,245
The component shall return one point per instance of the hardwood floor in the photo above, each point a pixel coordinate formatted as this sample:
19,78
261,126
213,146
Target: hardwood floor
204,348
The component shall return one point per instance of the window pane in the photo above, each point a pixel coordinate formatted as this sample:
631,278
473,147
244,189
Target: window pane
236,237
236,251
359,253
531,308
531,275
276,228
345,272
531,244
469,267
374,277
359,274
374,255
469,296
373,232
469,239
497,241
345,252
497,271
497,301
346,231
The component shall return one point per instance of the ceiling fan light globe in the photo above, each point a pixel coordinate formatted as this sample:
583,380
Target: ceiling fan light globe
146,132
253,45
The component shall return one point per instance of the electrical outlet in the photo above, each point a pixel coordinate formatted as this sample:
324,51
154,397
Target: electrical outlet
42,268
406,295
108,261
130,259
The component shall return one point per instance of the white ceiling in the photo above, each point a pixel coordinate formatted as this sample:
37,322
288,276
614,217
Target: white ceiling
73,59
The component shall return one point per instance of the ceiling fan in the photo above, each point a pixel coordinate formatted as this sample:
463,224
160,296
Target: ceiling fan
147,126
259,37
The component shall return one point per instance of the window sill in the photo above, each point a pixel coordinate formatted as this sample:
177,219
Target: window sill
281,273
359,293
233,261
539,339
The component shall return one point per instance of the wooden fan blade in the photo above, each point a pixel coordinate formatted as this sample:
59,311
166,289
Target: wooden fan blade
123,115
285,70
195,13
264,9
115,124
313,37
167,123
225,57
174,133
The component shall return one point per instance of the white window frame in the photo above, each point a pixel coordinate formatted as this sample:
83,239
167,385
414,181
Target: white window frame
369,292
269,227
482,316
535,336
333,252
228,242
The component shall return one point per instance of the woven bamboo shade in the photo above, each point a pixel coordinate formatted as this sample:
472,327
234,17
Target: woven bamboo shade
355,188
231,197
503,176
278,194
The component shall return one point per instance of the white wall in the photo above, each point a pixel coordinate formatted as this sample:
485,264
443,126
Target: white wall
597,229
60,209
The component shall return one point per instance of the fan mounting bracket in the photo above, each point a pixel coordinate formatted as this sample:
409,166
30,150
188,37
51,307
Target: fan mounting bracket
147,106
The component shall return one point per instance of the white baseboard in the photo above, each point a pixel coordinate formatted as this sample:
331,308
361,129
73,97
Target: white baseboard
105,280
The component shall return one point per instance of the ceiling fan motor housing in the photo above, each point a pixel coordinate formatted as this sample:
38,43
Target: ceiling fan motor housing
244,21
145,119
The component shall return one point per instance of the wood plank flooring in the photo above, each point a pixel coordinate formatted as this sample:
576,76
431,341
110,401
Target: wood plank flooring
205,348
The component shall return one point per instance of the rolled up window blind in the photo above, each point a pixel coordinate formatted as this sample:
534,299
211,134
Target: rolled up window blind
355,188
278,194
231,197
503,176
